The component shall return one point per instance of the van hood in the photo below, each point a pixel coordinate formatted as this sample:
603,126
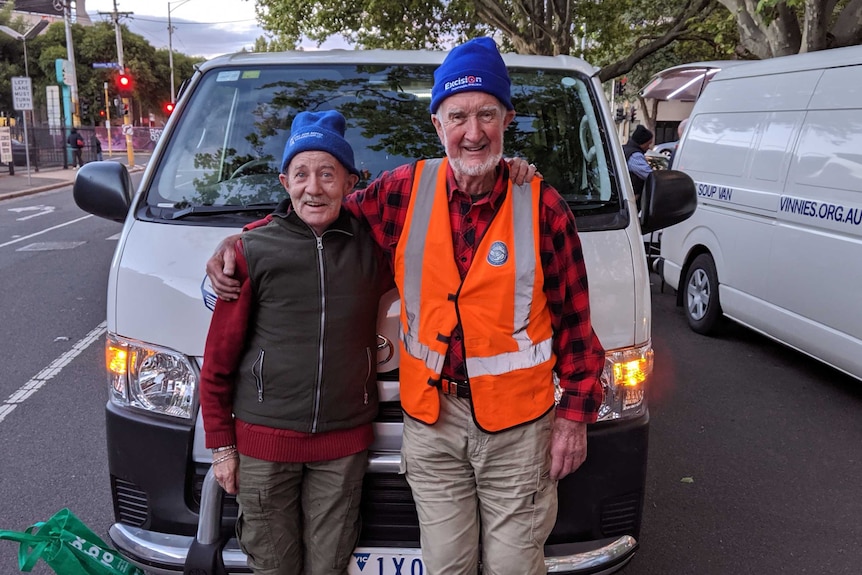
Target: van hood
167,300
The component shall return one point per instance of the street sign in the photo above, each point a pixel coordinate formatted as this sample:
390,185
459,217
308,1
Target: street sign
5,145
22,93
106,65
128,129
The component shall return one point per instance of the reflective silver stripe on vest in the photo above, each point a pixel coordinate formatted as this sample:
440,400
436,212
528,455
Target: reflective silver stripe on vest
414,253
529,354
510,361
525,262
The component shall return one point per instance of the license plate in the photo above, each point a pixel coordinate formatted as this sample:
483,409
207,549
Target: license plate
391,562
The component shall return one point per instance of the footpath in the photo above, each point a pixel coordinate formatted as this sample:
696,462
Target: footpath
51,178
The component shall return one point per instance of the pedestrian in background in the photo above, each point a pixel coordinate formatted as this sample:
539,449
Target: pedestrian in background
76,144
96,146
639,169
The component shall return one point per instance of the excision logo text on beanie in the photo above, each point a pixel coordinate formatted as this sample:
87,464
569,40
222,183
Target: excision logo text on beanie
319,131
474,66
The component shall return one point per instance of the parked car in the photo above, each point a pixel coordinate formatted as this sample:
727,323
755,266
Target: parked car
19,153
665,149
215,169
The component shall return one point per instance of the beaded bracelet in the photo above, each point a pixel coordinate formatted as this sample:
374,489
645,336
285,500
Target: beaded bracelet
231,455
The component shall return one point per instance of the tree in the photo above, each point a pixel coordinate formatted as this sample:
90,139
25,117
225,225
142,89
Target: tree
149,66
630,30
771,28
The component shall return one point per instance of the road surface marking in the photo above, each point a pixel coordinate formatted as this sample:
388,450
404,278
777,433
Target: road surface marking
40,209
56,366
46,230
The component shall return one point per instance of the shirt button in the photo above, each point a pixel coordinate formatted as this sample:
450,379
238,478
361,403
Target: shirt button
463,259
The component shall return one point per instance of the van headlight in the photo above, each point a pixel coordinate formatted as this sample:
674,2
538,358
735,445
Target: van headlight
624,380
150,378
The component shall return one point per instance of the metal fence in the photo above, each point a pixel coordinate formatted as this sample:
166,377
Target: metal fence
48,147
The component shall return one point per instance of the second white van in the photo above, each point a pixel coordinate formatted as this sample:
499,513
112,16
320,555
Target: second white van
775,150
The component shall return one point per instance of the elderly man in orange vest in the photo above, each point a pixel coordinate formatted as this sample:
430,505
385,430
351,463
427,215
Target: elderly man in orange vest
499,361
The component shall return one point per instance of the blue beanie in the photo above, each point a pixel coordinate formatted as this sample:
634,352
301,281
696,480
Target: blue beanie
319,131
473,66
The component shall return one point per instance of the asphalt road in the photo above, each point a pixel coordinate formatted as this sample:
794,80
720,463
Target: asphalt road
772,443
755,451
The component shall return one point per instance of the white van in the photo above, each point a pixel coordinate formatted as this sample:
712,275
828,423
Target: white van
775,150
215,169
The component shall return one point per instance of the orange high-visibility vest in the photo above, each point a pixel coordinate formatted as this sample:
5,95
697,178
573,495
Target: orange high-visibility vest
501,306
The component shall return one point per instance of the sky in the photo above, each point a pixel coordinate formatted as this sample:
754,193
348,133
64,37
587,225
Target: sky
201,27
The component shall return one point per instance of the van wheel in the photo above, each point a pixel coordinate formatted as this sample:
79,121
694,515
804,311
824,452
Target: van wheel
702,308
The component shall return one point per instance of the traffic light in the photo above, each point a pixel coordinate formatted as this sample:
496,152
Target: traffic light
102,114
621,114
621,86
634,114
85,108
125,85
168,108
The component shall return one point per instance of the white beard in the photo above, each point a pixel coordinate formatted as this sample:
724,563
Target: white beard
489,165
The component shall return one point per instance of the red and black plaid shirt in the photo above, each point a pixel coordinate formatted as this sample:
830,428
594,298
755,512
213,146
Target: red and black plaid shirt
580,356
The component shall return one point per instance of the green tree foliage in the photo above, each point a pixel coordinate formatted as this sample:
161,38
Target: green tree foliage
614,34
149,67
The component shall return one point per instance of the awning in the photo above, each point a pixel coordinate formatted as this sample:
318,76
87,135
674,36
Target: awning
684,82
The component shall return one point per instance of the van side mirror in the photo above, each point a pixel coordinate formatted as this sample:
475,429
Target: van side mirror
668,198
104,189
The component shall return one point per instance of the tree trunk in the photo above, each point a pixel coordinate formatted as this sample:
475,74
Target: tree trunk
814,27
846,31
779,37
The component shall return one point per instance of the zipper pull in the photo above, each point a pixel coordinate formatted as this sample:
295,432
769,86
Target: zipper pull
365,395
319,242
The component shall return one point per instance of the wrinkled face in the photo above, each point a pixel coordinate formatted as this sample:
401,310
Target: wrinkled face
470,126
317,183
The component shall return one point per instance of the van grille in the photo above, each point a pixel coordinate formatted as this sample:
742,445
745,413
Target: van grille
130,502
388,513
621,515
390,412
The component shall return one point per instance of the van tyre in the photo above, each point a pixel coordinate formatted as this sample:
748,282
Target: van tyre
700,298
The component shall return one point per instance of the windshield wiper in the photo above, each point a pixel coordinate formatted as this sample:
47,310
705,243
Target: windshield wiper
220,210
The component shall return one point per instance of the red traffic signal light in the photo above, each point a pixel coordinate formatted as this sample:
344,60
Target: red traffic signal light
101,113
124,85
168,108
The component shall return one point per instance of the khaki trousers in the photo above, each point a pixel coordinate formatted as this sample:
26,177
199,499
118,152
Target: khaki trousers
299,518
473,487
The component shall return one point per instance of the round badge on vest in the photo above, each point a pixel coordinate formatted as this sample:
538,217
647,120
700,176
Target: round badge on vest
498,254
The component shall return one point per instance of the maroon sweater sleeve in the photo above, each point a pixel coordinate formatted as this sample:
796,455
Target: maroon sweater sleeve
224,348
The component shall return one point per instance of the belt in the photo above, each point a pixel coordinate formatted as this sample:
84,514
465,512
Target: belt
452,387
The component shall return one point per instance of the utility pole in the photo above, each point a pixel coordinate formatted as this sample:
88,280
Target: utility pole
171,47
70,54
127,117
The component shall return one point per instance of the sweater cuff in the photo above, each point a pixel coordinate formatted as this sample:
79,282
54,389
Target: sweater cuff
220,439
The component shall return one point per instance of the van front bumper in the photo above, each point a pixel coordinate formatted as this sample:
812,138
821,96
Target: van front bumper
597,529
163,554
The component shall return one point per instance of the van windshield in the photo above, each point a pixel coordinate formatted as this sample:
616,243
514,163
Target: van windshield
226,148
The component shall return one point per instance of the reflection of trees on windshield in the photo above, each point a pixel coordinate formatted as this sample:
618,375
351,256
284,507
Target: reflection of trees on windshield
388,123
